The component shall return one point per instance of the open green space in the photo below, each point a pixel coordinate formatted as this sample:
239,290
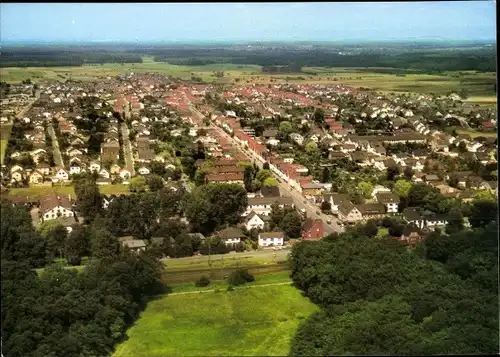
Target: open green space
117,189
249,321
5,130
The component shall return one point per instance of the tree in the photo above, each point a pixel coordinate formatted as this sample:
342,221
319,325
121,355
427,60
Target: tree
418,193
483,212
212,206
103,244
292,224
408,173
325,176
402,188
137,184
88,198
155,183
365,188
285,127
248,176
370,229
265,166
77,245
311,147
326,206
392,172
270,181
319,116
157,168
263,175
455,221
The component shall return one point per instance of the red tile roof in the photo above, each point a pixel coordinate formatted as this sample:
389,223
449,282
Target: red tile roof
313,229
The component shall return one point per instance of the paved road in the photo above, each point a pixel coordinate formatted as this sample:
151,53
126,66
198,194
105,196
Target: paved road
298,199
55,146
127,145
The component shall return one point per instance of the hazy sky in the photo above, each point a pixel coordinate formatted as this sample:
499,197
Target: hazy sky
246,21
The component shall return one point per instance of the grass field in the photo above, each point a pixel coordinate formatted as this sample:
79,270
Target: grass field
65,190
4,139
475,134
249,321
478,85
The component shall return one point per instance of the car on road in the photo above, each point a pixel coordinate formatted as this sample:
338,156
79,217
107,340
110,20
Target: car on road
328,221
318,213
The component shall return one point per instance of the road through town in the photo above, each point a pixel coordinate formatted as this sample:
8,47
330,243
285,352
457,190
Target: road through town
299,201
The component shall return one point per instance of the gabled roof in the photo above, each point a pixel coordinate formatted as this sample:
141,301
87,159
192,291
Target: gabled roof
271,235
387,197
251,215
231,233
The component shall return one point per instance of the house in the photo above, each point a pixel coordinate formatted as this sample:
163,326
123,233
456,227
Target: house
275,239
262,205
36,177
53,206
335,200
253,221
378,189
311,189
17,176
68,223
432,179
270,191
106,200
115,169
61,174
110,151
412,235
371,210
270,134
136,245
43,168
432,220
389,200
16,168
125,174
231,235
226,178
313,229
349,213
75,167
144,170
412,215
95,166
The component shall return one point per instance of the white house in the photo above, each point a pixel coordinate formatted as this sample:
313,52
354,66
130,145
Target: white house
16,168
263,205
144,170
95,167
254,221
53,207
36,177
271,239
125,174
17,176
62,174
104,173
75,168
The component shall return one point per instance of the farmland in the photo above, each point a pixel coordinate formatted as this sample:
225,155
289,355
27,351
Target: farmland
253,320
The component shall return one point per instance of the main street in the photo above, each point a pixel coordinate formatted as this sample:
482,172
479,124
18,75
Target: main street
312,211
55,145
127,146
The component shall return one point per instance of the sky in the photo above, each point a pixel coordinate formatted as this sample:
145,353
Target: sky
205,22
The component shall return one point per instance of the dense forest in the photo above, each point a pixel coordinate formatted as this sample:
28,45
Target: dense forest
379,297
429,60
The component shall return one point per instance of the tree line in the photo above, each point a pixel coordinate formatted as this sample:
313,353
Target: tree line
379,297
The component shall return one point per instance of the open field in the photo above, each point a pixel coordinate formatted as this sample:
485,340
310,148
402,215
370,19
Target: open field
4,139
478,85
65,190
475,134
249,321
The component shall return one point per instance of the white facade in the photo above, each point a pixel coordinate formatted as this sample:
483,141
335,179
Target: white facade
144,171
56,212
392,207
275,241
255,222
62,175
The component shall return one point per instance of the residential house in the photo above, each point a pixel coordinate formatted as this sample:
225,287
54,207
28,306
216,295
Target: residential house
144,170
36,177
104,173
274,239
226,178
67,222
43,168
135,245
313,229
253,221
231,235
16,168
53,206
336,199
95,166
75,167
371,210
61,174
379,189
412,235
110,151
262,205
17,176
311,189
389,200
106,200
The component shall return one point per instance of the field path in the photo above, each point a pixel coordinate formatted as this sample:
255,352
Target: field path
212,290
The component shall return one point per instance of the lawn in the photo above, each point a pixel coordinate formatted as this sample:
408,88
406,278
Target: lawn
66,190
4,139
248,321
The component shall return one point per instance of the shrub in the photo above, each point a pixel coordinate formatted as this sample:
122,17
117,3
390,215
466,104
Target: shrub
240,277
202,282
230,288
